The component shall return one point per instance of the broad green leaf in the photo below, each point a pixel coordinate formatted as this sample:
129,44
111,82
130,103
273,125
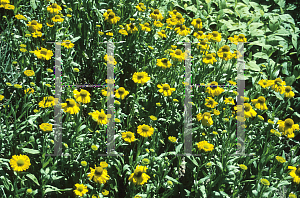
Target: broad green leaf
294,40
33,4
261,55
290,80
255,25
252,66
75,39
31,151
33,178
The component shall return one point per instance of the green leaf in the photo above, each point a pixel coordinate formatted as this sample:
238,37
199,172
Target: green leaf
278,95
253,26
33,178
177,149
252,66
294,40
261,55
46,163
287,18
75,39
193,160
31,151
33,4
290,80
172,179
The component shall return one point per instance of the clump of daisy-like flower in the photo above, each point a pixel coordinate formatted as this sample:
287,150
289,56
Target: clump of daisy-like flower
70,106
29,73
46,127
210,102
121,93
43,53
295,173
164,63
82,96
213,89
235,39
49,101
99,117
54,8
177,55
20,162
145,130
249,112
111,17
204,145
141,7
205,118
260,103
139,177
156,15
67,44
128,136
165,89
140,77
288,127
80,190
99,175
197,23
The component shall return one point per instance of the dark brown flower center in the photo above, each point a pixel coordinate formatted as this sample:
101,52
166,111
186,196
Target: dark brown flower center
289,123
226,48
178,52
121,91
83,93
111,15
166,87
261,100
138,174
165,61
288,89
247,107
182,27
80,188
140,76
215,34
70,103
145,128
98,171
198,21
156,11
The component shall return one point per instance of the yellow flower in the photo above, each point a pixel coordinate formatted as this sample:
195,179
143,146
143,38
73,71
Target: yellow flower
23,50
124,32
50,24
139,177
172,139
265,83
111,17
162,34
37,34
82,96
182,30
57,18
54,8
177,55
260,103
260,117
70,106
20,17
158,104
235,39
1,97
232,82
48,102
128,136
280,159
110,34
210,102
278,85
99,117
94,147
229,101
165,89
29,73
157,24
213,90
140,77
46,127
103,164
288,127
249,112
131,28
49,70
99,175
19,162
80,189
156,15
17,86
224,53
83,163
288,92
145,27
67,44
141,7
197,23
209,59
105,192
265,182
9,7
152,117
292,195
204,145
242,166
216,112
110,59
215,36
69,15
101,33
270,121
145,130
43,53
176,19
164,63
76,70
121,93
175,100
205,119
295,174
